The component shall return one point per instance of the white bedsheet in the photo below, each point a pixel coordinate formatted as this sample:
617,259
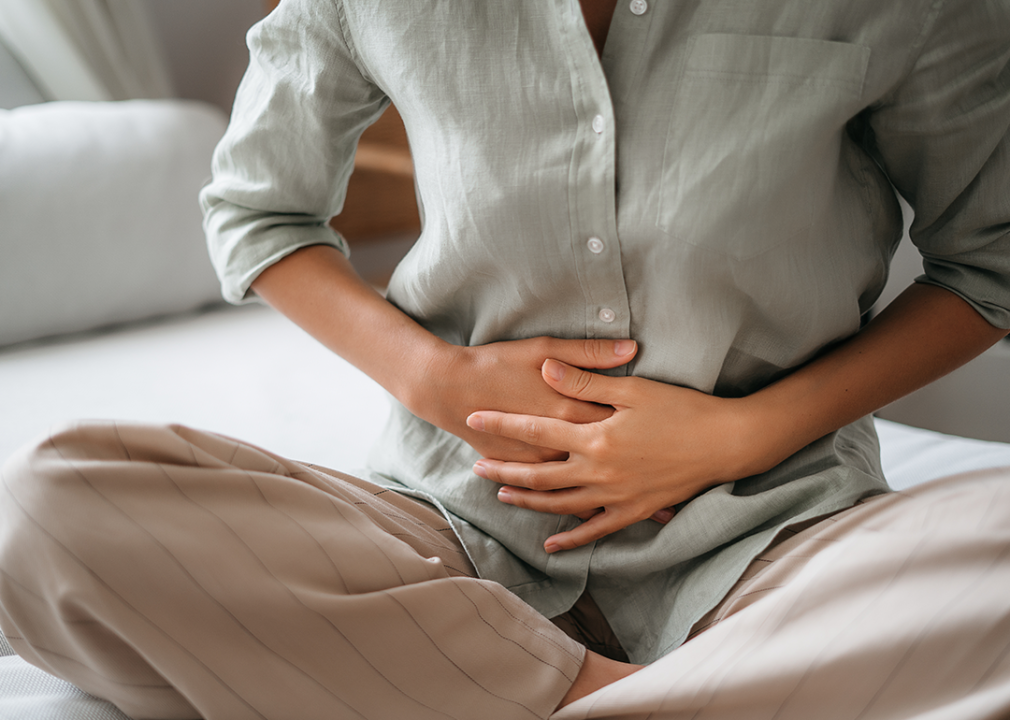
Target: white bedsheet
245,372
249,373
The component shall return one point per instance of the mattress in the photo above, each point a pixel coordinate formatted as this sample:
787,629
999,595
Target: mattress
248,373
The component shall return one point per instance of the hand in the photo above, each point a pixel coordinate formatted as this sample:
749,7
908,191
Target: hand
662,445
505,376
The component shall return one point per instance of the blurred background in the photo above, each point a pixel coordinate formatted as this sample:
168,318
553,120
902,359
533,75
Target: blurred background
193,49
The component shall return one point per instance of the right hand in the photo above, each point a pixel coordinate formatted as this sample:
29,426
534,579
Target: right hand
505,376
439,382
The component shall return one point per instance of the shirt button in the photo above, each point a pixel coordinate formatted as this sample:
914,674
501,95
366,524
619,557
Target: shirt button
638,7
607,315
595,245
598,123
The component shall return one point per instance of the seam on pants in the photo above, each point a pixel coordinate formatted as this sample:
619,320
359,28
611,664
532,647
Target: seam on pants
187,573
546,637
518,645
293,596
453,662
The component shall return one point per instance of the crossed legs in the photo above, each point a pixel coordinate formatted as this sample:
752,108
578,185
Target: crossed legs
182,574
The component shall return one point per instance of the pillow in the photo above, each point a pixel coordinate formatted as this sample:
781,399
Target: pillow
99,219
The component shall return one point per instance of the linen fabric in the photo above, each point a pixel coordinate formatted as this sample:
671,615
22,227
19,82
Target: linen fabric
717,187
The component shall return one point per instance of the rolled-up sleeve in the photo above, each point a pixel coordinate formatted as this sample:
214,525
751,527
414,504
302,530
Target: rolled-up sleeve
943,139
280,172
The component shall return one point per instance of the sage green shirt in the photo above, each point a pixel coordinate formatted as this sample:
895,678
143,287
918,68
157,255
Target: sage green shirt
718,188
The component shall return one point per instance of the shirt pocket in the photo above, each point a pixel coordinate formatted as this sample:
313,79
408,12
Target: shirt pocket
754,140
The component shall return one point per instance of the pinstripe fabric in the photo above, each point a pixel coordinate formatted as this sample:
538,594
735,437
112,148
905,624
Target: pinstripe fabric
897,608
182,574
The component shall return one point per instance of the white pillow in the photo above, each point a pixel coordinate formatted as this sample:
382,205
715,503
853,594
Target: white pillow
99,220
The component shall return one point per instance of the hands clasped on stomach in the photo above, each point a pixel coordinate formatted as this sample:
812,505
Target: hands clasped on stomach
563,440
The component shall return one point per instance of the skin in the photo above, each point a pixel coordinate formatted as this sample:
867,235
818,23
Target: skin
614,451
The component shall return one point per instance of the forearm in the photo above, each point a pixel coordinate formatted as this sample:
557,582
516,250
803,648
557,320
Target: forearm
924,334
317,288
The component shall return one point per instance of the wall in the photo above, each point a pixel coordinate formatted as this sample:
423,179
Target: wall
204,44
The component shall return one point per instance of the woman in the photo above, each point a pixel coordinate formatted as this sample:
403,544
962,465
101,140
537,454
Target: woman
691,200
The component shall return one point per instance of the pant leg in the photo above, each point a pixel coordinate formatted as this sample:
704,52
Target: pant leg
898,608
182,574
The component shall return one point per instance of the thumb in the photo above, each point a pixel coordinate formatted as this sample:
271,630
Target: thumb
580,384
593,353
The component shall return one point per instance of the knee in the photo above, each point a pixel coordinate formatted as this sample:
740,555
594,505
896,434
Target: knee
40,471
44,484
31,484
76,454
52,497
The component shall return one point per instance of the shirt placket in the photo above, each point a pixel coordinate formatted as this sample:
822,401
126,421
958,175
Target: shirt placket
592,190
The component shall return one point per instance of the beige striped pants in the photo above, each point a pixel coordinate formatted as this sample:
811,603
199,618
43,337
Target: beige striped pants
181,574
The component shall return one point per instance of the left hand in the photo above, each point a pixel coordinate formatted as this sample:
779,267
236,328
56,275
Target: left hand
663,445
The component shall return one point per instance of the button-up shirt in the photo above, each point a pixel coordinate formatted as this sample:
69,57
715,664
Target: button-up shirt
718,186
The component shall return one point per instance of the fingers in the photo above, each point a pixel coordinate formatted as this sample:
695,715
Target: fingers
497,448
596,527
594,353
538,478
582,385
530,429
549,488
567,501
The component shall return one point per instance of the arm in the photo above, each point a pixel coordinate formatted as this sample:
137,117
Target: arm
924,334
439,382
665,444
280,174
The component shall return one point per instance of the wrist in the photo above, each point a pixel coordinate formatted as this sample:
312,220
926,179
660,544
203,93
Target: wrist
422,373
767,434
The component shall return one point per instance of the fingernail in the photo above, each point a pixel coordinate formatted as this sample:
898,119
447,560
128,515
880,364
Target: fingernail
476,422
624,347
480,469
504,495
554,370
551,547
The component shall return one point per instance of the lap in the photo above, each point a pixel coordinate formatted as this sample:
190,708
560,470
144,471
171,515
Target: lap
884,610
